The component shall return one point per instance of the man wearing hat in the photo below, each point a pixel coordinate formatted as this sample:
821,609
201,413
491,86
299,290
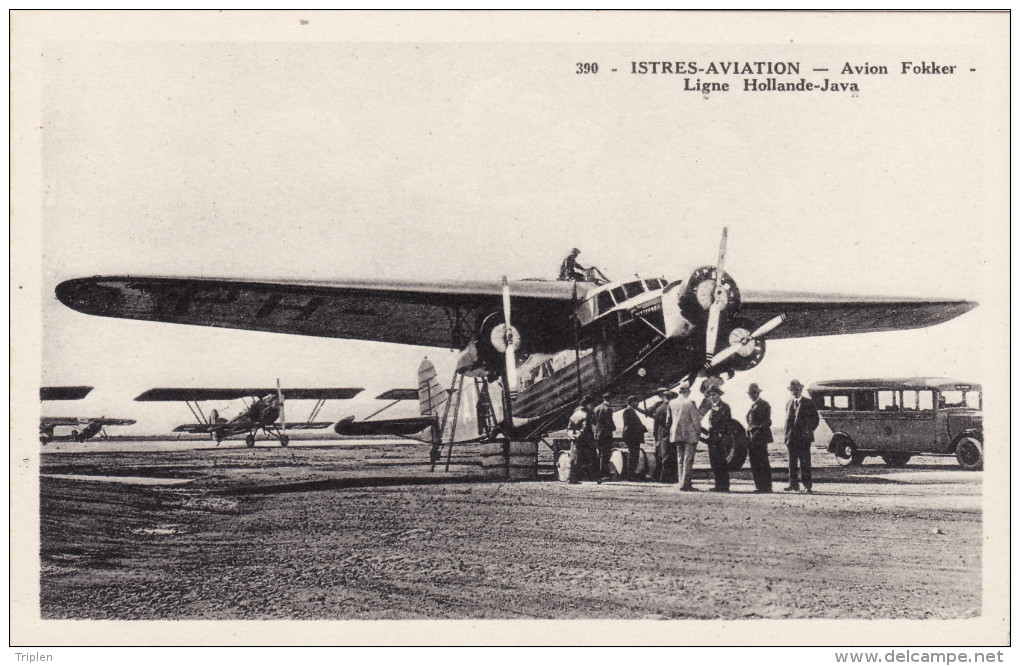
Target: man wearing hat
570,269
759,433
714,430
801,421
660,433
686,425
633,436
604,428
582,441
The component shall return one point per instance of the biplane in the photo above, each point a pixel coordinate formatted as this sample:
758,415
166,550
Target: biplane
264,409
83,428
546,343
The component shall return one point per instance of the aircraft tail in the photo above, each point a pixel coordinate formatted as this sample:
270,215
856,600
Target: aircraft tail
432,396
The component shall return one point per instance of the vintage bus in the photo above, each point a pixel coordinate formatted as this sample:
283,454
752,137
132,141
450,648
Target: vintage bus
899,418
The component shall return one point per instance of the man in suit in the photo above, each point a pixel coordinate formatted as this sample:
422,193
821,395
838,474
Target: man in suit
684,432
801,421
633,436
582,441
714,431
604,428
759,433
660,433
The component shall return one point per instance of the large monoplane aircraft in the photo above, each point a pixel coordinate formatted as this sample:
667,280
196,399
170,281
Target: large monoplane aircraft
82,428
264,412
547,342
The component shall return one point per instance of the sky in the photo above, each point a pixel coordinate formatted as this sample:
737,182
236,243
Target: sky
334,157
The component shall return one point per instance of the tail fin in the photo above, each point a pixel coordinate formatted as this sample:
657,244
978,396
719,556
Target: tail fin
432,396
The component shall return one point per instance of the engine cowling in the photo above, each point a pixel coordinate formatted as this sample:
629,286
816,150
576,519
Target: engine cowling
686,303
484,356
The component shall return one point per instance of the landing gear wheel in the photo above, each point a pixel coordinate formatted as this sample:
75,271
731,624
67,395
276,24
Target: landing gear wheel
970,453
845,451
896,459
284,441
736,446
249,441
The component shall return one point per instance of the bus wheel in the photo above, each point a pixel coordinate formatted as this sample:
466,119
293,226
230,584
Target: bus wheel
970,454
845,451
249,441
896,459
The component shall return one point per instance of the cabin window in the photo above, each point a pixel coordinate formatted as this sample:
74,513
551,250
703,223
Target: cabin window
655,283
910,401
635,288
619,294
605,302
888,401
864,401
925,401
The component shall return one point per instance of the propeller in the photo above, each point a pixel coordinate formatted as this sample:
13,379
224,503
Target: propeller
510,337
718,303
746,342
279,400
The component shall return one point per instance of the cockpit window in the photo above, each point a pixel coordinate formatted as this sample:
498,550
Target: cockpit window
619,294
655,283
635,288
605,302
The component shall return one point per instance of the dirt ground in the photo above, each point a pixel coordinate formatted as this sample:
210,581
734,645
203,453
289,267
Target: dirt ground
368,532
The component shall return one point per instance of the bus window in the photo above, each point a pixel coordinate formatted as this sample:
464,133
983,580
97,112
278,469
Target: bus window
864,401
605,302
973,399
833,401
910,400
925,401
888,401
951,399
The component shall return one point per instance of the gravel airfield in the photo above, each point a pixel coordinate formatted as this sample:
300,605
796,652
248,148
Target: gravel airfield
365,531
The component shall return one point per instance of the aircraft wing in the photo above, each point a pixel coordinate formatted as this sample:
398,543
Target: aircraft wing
309,425
51,421
839,314
64,392
113,422
199,394
398,427
430,314
201,428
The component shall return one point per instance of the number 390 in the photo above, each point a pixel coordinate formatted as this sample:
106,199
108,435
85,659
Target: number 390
587,68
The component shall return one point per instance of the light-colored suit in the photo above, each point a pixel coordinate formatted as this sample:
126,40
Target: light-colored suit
684,431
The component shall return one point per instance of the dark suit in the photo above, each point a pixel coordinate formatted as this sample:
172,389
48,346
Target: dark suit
759,433
604,427
801,421
664,451
633,436
715,438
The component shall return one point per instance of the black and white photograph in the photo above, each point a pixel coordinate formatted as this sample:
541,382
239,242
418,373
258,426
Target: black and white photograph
417,324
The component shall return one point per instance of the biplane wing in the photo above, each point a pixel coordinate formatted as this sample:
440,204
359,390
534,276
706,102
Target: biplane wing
64,392
53,421
447,314
208,428
203,394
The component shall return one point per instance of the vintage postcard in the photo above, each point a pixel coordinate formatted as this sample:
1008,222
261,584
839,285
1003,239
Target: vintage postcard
389,328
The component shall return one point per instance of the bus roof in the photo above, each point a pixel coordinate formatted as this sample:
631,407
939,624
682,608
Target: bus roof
940,383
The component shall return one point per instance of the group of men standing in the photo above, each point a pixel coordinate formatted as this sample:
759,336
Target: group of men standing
678,425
